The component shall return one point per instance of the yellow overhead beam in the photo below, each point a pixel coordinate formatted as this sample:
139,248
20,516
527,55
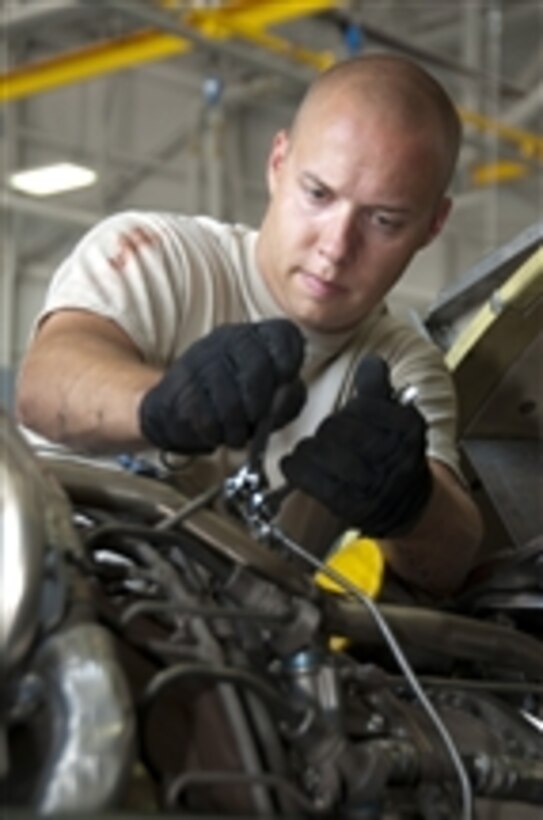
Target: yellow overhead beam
249,19
91,61
244,18
494,173
318,60
528,144
255,14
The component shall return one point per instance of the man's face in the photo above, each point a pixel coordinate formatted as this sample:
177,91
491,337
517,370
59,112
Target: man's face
352,198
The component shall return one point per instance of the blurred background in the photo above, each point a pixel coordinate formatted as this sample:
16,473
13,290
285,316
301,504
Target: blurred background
171,105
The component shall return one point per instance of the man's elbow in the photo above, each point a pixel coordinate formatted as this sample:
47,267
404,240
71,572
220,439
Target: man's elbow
26,405
31,402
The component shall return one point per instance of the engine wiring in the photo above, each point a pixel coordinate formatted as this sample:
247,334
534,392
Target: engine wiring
247,489
244,491
466,793
217,666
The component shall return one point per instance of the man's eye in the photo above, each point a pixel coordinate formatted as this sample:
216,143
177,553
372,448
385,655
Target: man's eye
316,193
388,223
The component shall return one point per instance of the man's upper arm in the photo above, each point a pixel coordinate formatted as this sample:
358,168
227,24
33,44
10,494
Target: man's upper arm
66,327
120,270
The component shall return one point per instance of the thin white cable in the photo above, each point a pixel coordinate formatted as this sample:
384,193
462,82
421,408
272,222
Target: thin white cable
410,675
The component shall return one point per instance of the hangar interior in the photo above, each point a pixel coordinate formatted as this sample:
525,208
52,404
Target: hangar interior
171,105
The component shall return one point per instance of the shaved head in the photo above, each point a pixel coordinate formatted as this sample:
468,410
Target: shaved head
358,185
396,87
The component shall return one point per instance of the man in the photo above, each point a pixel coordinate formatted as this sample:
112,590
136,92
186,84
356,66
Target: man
170,331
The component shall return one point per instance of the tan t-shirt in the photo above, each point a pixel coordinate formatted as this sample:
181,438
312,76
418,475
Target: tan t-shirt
167,280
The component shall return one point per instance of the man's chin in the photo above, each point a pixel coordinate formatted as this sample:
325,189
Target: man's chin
323,322
332,315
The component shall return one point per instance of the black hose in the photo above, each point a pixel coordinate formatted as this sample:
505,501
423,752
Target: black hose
202,779
293,714
213,562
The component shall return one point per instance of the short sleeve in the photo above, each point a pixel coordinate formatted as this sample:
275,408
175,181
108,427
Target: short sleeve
158,276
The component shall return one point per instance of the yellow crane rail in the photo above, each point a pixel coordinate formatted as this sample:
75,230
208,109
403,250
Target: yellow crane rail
246,19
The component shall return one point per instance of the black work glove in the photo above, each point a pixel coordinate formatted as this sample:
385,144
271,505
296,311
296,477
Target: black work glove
367,462
223,385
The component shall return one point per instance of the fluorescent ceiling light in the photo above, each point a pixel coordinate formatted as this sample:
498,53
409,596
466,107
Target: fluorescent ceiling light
52,179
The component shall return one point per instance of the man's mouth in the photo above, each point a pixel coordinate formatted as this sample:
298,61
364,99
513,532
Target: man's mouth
318,287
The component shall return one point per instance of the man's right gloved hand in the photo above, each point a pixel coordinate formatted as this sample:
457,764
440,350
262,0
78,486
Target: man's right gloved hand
223,386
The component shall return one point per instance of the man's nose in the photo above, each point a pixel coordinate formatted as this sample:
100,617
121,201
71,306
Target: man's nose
337,236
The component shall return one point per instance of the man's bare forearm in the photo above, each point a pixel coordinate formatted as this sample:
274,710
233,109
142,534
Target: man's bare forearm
81,384
440,551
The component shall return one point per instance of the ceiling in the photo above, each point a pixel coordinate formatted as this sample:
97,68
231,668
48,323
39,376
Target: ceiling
91,77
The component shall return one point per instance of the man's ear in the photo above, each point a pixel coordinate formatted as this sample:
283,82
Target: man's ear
276,159
439,218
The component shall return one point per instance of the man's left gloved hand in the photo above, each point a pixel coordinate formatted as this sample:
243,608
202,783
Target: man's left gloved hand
367,462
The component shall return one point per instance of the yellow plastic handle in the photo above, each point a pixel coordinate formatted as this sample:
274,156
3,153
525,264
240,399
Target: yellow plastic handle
360,560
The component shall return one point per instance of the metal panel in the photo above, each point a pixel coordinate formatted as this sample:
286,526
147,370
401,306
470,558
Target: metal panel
496,337
511,472
496,357
479,282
